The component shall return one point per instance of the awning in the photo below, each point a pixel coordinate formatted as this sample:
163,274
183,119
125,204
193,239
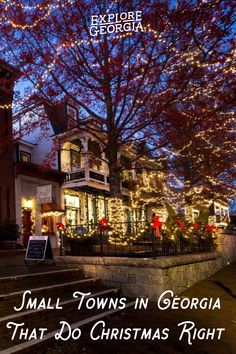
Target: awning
51,208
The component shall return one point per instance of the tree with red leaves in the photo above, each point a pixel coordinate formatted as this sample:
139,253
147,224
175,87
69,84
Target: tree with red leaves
129,81
200,141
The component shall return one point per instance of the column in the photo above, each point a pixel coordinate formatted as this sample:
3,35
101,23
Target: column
86,160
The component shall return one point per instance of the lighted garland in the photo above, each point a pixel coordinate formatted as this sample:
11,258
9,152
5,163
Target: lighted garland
116,217
189,231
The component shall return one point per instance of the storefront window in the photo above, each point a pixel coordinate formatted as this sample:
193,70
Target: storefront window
101,211
47,225
91,209
73,211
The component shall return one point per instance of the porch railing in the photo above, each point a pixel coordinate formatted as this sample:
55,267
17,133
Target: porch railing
138,240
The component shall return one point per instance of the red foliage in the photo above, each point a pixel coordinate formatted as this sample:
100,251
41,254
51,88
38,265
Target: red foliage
172,83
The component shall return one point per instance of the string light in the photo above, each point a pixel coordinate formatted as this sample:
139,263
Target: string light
116,217
191,58
48,8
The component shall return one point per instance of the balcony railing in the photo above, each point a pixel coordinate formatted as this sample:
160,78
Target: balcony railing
79,175
97,176
83,175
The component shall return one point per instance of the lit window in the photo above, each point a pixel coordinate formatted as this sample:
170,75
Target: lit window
25,156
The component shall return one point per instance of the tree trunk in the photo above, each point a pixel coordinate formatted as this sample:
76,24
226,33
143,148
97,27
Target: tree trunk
114,170
112,149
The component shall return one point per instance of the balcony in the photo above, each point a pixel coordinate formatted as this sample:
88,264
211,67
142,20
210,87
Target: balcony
91,178
86,178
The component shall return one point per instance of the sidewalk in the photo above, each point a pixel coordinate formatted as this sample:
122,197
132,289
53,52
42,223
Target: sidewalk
13,263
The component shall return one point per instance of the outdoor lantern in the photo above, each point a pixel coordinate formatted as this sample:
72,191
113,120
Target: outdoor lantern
29,203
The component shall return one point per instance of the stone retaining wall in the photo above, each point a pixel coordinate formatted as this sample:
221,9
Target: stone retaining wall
146,277
228,248
150,277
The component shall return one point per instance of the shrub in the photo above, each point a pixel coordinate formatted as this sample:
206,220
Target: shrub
9,231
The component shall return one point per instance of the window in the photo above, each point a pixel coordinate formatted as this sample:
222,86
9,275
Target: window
71,112
75,160
72,116
72,201
25,156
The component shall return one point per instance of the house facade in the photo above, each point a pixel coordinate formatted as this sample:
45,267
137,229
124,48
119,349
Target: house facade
86,187
61,175
37,182
56,172
75,189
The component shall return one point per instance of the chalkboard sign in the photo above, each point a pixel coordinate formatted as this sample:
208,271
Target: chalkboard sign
39,248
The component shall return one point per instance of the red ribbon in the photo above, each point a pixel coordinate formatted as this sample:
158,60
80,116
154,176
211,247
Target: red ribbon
103,223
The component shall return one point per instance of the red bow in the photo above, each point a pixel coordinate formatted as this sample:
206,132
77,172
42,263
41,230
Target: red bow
156,222
181,224
103,223
59,225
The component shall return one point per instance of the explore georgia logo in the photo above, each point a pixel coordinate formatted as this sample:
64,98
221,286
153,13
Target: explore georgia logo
116,23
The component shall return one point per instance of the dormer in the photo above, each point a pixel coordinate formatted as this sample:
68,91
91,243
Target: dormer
63,116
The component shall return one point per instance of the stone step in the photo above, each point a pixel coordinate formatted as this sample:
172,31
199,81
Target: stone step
62,290
50,319
23,315
27,281
32,345
49,291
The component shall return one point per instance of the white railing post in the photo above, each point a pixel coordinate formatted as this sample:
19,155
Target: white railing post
86,159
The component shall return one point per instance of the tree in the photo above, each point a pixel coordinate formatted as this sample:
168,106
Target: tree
197,129
200,141
125,80
200,156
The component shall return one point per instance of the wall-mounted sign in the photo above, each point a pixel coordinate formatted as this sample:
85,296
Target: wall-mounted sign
44,194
